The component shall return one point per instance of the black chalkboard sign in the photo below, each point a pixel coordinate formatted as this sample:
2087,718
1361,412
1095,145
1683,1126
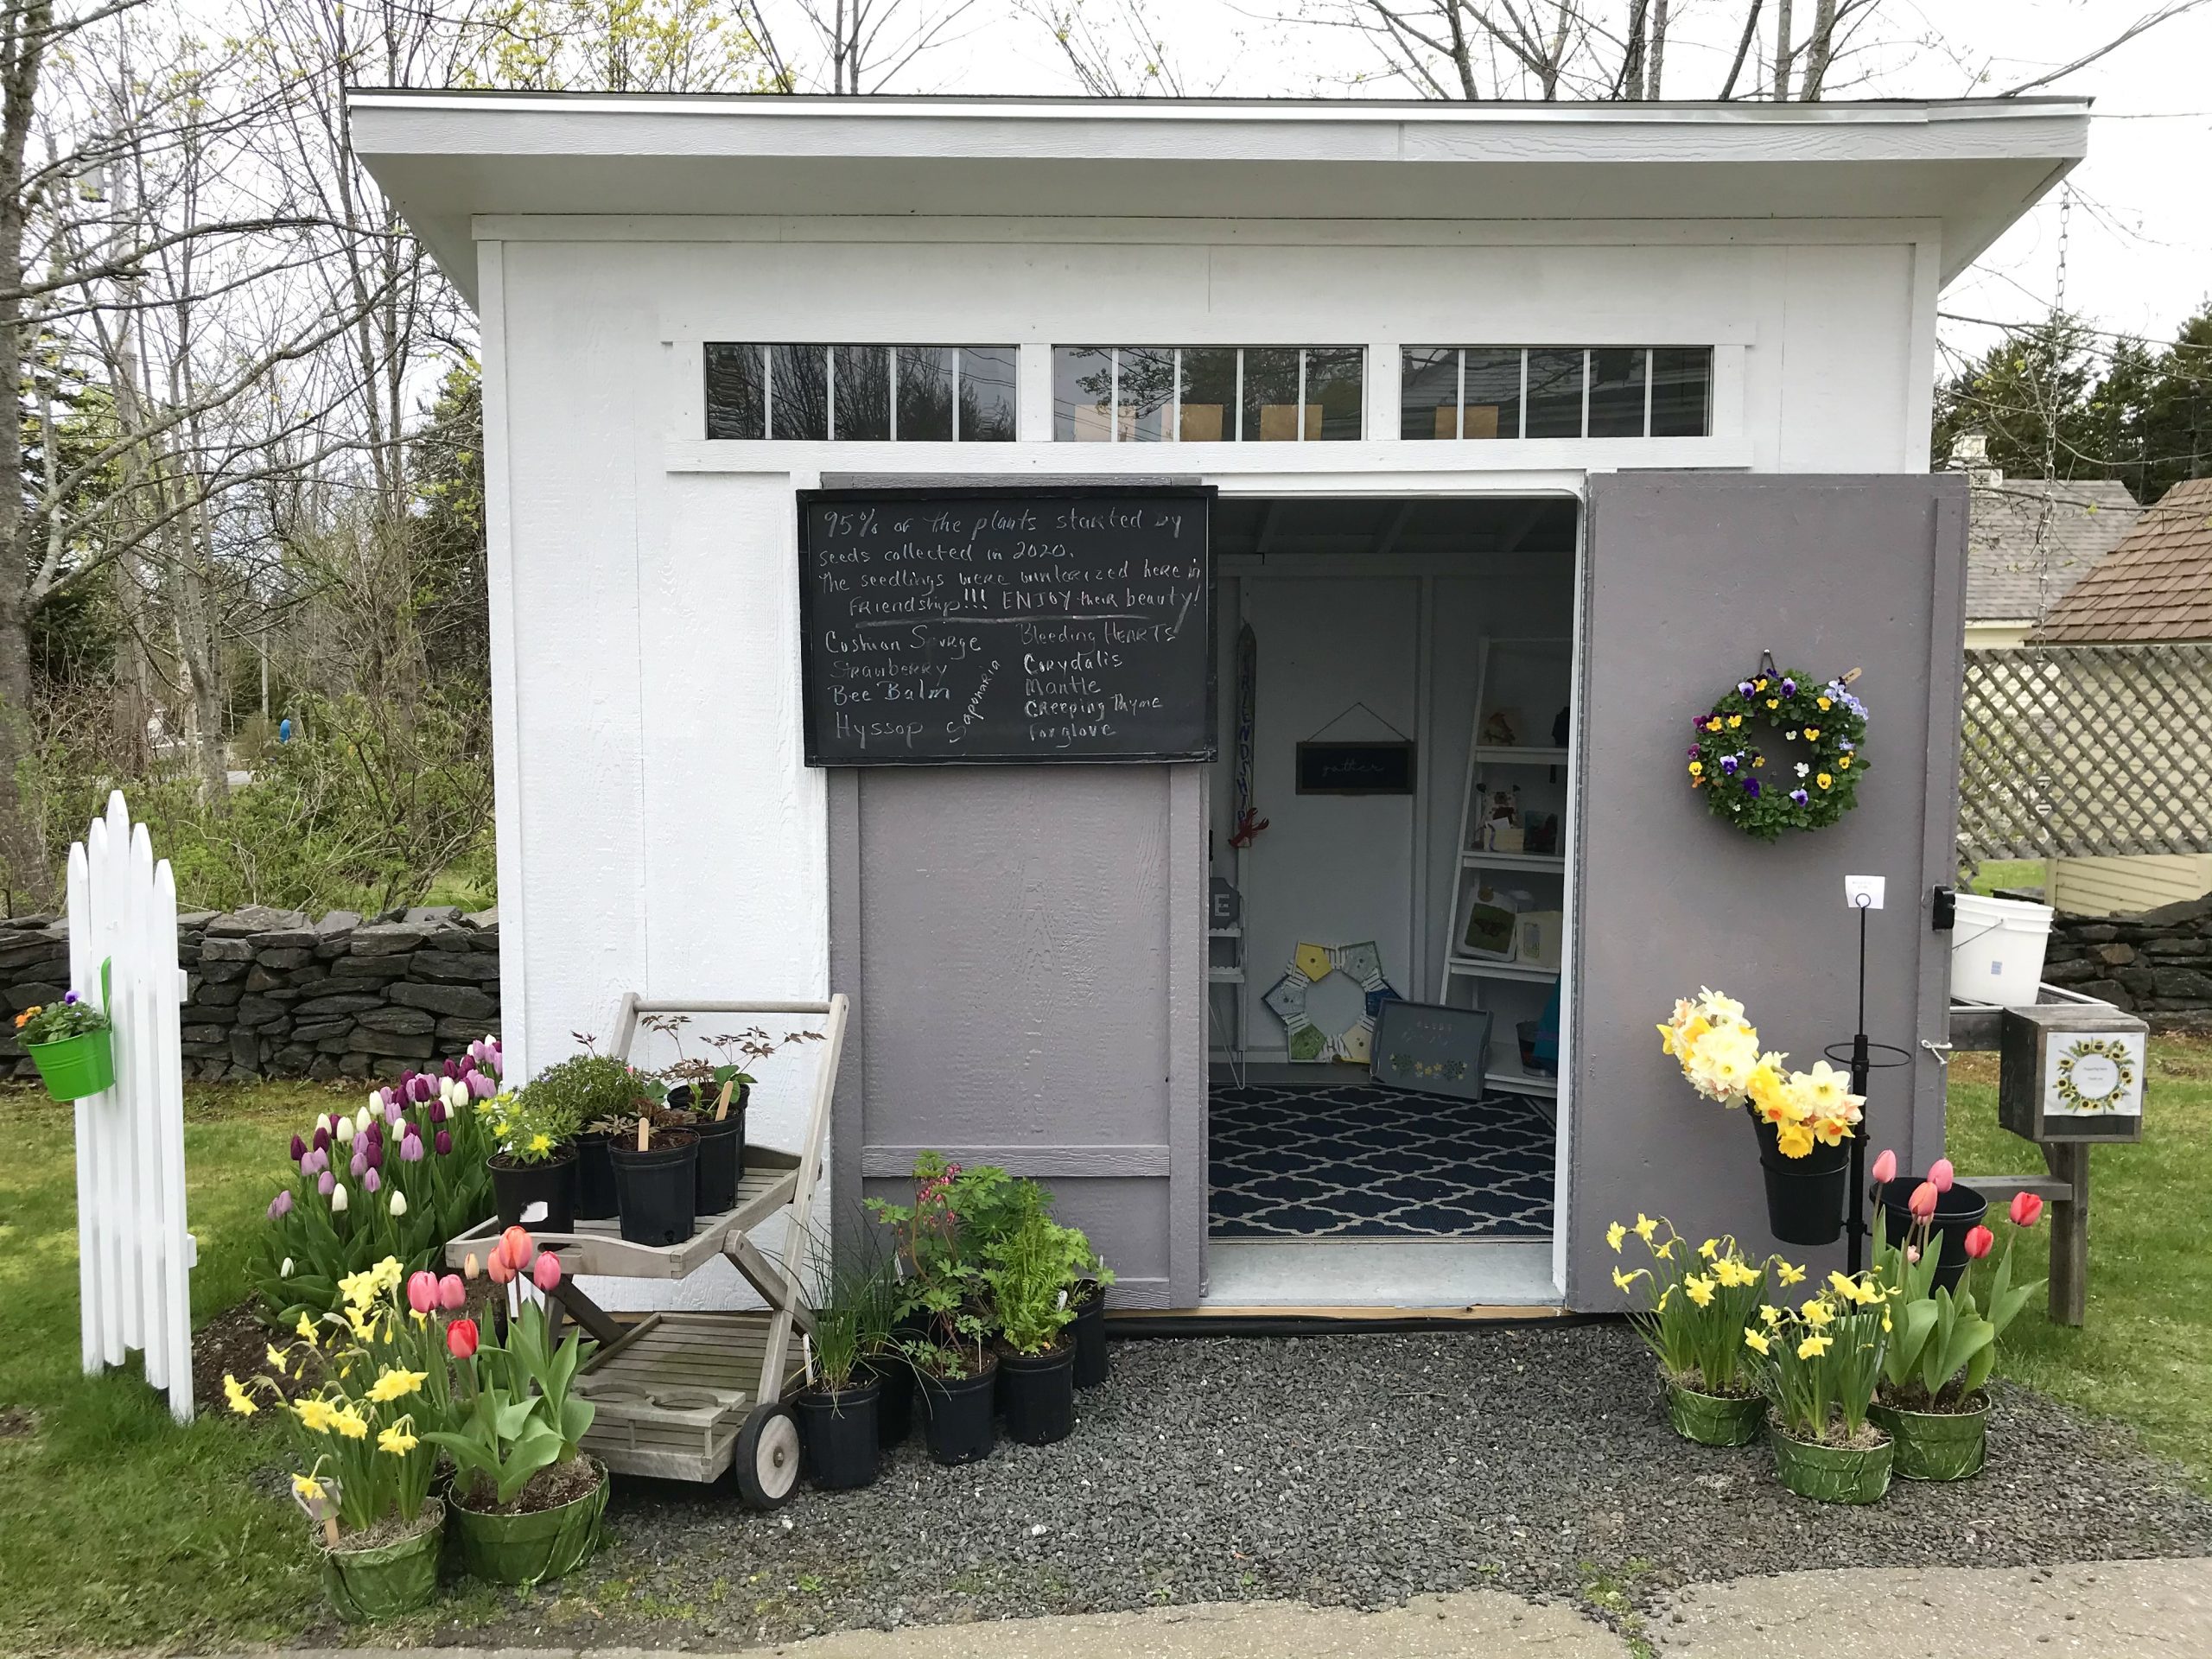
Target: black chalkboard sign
1355,768
1006,626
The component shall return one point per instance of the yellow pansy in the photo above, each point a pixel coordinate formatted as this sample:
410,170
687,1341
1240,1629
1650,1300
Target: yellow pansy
1814,1347
1758,760
1734,720
349,1422
1823,780
1774,702
1825,704
234,1391
1699,1290
1755,1341
1615,1234
396,1440
394,1383
1759,684
1696,767
1844,763
1788,1274
1812,733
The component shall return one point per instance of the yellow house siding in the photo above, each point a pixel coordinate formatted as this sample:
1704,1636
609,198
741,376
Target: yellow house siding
2121,886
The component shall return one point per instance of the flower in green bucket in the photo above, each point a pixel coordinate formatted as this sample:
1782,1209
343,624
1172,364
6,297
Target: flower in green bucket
56,1022
72,1044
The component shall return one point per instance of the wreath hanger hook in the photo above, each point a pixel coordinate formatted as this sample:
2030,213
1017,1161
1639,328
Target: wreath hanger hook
1767,665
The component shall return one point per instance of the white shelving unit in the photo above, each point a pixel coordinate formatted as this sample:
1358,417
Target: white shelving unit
1509,990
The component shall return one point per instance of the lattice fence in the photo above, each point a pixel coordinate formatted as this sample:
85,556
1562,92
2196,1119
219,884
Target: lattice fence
2087,751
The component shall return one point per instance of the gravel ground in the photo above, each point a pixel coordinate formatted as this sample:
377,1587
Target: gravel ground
1356,1470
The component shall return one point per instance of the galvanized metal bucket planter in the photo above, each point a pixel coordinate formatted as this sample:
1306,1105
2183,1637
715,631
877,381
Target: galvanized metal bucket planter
1715,1419
527,1549
1831,1474
367,1585
1938,1444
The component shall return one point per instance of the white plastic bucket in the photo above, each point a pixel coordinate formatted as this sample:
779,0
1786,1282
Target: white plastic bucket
1997,950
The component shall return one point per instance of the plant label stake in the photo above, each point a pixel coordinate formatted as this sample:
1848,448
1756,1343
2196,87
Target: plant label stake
721,1105
645,1134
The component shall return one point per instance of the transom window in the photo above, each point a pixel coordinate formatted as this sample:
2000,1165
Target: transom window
1208,394
894,394
1557,391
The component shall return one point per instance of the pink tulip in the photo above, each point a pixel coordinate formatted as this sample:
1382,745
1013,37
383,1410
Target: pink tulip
546,1276
498,1268
1941,1175
423,1291
1978,1239
2027,1209
1885,1167
516,1247
483,1085
1923,1201
451,1294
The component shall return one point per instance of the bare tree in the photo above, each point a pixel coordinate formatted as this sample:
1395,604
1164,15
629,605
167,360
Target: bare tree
867,44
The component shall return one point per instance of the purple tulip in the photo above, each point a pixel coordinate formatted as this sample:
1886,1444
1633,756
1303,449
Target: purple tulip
421,1086
437,1113
299,1148
324,1182
391,1114
360,1160
444,1142
280,1206
371,1181
483,1085
321,1138
373,1151
410,1147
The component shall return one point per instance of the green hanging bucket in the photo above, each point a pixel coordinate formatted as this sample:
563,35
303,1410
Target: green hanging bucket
527,1549
368,1586
83,1065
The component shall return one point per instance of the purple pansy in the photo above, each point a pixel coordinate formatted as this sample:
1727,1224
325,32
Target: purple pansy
68,997
1790,688
1728,765
1799,795
1751,787
1745,688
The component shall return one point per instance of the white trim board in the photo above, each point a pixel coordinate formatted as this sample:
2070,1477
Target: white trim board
1411,1274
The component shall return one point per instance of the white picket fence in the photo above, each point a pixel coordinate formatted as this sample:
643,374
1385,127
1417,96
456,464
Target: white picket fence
134,1257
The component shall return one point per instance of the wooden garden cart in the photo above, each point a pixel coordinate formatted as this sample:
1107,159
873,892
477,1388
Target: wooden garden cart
685,1396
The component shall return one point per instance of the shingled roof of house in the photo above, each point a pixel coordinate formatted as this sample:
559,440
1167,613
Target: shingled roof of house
2030,541
2155,585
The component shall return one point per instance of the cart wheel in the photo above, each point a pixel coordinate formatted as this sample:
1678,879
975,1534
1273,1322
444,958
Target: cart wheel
767,1461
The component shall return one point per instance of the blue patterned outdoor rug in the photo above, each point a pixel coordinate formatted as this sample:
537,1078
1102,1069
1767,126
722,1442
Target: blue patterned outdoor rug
1353,1160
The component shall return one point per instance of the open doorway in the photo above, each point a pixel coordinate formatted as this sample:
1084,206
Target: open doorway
1389,823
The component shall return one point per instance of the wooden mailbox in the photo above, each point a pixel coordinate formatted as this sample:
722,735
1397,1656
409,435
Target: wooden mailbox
2071,1072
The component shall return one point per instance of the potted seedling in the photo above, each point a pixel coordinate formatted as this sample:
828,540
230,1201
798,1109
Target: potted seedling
1942,1344
714,1094
1029,1273
941,1301
1692,1308
839,1407
1819,1363
72,1043
535,1163
527,1502
655,1155
371,1394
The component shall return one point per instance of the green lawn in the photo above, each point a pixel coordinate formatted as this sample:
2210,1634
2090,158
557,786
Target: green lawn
2007,873
2145,1353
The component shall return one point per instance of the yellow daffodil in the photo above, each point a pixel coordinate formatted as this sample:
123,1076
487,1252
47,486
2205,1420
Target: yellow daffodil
1841,1285
1624,1280
1660,1307
1815,1313
1644,1226
1699,1290
1614,1235
306,1329
1710,1248
1788,1274
1756,1342
1793,1140
234,1391
1770,1313
309,1488
393,1385
276,1360
316,1413
1814,1347
396,1440
348,1422
1664,1250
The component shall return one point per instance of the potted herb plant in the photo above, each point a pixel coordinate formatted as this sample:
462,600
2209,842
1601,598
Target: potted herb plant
587,1089
1694,1305
535,1160
1030,1272
713,1095
943,1295
1819,1363
72,1043
366,1411
1942,1346
656,1156
527,1502
837,1409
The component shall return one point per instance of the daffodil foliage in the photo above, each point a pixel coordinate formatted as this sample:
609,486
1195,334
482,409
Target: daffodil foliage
1692,1306
1807,783
1818,1363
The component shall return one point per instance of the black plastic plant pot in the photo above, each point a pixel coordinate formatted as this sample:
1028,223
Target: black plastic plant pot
1804,1196
722,1160
1037,1392
1089,1328
894,1401
959,1425
837,1432
552,1182
596,1199
655,1189
1957,1212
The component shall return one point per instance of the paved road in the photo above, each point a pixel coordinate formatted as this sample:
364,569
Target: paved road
2121,1610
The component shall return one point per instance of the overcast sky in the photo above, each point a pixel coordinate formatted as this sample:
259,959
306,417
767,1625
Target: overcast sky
2140,238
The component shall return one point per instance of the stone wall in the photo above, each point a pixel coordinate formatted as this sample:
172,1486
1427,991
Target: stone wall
273,993
2158,964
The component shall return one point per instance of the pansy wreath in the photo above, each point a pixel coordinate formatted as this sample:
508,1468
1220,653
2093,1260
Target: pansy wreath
1809,793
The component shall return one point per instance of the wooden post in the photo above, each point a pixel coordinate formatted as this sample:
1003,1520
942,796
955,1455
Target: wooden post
2069,1231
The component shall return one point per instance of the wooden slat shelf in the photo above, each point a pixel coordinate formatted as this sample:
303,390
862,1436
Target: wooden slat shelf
672,1394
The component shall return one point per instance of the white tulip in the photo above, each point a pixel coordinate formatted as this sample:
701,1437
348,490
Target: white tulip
366,1117
338,1198
398,1204
285,1271
376,1100
344,1132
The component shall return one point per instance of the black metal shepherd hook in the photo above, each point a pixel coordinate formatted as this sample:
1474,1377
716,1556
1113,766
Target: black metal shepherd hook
1864,1063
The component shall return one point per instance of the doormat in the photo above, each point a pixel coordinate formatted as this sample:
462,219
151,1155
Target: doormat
1353,1160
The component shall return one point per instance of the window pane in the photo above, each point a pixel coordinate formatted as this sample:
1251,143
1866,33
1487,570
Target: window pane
1682,392
734,390
862,376
1147,390
1554,394
1208,414
1083,394
1617,392
925,394
1271,411
1334,406
986,394
1493,395
1429,393
798,384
